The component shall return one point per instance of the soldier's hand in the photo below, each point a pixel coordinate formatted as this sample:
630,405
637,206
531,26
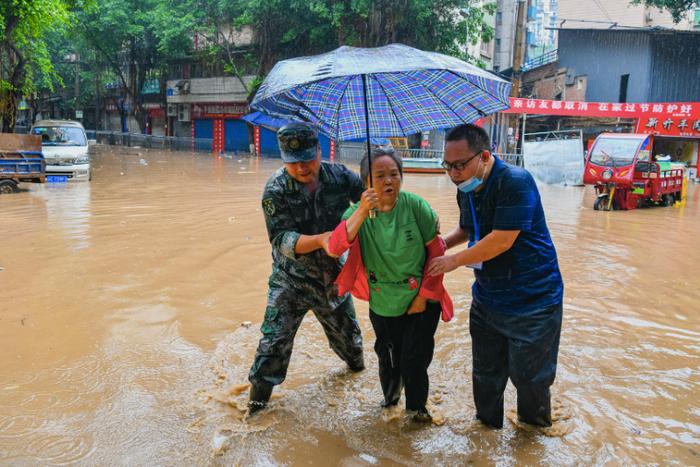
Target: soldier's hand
417,305
323,243
369,200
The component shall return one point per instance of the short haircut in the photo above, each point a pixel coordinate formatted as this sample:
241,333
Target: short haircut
475,136
376,153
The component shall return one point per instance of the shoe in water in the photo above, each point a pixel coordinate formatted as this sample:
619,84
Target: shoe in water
255,407
385,404
422,416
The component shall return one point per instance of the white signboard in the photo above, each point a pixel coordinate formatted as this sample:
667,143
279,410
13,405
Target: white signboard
555,161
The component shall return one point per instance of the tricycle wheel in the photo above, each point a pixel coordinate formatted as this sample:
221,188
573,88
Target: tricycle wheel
8,186
601,203
668,200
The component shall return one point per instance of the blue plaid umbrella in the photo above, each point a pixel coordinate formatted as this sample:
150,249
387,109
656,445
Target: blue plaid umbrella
394,90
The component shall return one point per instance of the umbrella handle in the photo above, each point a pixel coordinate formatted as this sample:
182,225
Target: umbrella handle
372,212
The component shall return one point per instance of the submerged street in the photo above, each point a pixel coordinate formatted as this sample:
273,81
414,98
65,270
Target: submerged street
131,306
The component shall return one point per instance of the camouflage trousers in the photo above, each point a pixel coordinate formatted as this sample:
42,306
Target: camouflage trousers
280,326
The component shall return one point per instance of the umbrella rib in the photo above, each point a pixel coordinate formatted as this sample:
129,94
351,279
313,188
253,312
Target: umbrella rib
391,107
348,79
302,105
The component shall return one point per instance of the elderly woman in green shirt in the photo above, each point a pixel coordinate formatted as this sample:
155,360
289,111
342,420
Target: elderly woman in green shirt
404,308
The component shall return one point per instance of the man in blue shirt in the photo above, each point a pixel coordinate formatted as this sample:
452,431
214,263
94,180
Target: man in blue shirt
516,312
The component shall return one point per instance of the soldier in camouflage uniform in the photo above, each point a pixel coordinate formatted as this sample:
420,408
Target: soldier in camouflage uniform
303,202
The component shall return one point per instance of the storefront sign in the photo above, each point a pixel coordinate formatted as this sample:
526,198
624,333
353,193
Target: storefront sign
231,110
669,126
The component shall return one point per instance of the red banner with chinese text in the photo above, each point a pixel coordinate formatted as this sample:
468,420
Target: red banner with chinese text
662,118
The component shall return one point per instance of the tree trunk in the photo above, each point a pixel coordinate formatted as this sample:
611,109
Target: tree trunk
8,109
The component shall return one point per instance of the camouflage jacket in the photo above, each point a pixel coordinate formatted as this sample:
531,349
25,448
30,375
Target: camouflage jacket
291,211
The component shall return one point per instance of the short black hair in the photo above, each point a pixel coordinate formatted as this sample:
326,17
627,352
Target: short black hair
379,152
475,136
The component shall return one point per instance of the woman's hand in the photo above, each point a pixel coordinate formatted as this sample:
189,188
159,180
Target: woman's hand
417,305
369,201
442,265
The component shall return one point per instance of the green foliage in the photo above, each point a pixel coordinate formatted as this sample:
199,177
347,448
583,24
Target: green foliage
132,41
25,62
287,28
677,8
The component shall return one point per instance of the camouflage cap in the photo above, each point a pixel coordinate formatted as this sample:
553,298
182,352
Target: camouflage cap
298,142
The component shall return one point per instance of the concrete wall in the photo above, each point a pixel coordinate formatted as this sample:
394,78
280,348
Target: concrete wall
211,90
505,34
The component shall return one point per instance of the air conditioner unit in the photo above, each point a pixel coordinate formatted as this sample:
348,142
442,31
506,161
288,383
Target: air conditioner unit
172,110
183,113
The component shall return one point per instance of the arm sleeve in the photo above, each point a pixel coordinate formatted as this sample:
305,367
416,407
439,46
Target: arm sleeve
281,228
516,199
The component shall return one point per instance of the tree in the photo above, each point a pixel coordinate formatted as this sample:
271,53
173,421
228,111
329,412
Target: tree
289,28
326,24
25,63
134,39
677,8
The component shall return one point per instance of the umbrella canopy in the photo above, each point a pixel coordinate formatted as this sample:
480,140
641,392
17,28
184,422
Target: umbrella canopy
272,123
407,90
260,119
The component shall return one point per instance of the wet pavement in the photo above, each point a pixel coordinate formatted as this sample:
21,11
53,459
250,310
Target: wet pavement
126,306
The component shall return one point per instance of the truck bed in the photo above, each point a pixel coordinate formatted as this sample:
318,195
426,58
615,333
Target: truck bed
22,166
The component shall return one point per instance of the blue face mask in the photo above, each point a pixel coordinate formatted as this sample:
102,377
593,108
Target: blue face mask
471,184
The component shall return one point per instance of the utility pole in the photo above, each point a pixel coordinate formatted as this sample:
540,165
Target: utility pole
518,48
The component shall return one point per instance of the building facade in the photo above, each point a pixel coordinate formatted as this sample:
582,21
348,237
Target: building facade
603,14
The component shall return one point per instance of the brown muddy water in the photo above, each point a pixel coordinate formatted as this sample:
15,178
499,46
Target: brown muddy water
124,334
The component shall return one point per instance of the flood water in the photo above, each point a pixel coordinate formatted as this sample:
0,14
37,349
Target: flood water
130,308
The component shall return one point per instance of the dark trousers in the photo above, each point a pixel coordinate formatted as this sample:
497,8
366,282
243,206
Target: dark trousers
279,328
404,347
523,347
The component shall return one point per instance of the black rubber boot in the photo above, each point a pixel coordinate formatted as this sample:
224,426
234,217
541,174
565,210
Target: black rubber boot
259,396
357,366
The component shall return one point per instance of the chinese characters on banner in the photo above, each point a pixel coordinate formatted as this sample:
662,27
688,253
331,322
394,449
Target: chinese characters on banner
668,118
218,110
256,135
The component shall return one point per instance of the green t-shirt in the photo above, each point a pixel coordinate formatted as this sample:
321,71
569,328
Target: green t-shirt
393,252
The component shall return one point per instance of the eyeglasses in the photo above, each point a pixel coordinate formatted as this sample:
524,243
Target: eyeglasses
458,166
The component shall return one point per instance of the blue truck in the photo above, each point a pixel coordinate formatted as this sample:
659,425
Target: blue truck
21,160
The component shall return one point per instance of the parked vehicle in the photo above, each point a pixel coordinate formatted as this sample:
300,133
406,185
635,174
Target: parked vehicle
626,175
20,161
65,147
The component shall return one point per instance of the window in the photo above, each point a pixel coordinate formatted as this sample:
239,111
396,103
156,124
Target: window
624,80
499,18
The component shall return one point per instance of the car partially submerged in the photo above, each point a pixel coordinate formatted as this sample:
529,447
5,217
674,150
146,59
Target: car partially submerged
65,148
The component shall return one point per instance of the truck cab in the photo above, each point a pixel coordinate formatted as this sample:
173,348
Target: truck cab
65,148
